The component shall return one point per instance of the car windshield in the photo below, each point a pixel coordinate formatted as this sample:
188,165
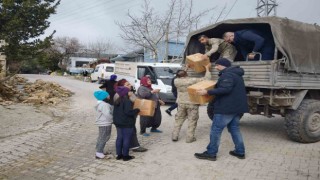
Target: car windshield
166,74
97,69
109,69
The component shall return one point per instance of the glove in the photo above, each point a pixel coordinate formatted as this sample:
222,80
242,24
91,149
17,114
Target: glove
137,110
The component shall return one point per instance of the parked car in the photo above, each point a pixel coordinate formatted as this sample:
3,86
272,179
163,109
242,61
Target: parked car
102,72
161,75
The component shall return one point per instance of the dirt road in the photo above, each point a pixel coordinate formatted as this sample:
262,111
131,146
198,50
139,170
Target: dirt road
64,149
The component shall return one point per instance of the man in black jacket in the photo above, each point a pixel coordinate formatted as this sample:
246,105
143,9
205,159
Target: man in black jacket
229,104
175,94
109,87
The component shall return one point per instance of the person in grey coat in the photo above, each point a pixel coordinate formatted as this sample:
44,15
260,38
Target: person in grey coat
145,91
104,121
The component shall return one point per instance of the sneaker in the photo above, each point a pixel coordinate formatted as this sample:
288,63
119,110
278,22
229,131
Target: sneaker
119,157
155,131
240,156
205,156
145,134
168,112
99,155
140,149
128,158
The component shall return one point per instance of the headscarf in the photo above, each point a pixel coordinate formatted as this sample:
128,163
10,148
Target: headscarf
122,91
121,82
144,82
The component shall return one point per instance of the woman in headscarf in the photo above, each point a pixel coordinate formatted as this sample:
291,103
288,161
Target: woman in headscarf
109,87
145,91
135,145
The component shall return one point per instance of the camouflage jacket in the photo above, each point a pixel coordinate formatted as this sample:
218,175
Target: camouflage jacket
225,49
183,83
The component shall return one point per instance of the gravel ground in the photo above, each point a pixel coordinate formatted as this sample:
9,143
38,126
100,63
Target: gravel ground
64,148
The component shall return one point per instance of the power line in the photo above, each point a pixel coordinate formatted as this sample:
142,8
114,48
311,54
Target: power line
85,8
230,9
105,12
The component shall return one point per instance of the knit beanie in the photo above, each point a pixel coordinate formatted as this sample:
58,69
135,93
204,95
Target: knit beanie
223,62
101,95
122,91
113,77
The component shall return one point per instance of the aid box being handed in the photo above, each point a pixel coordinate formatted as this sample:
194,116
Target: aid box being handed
194,97
147,107
197,63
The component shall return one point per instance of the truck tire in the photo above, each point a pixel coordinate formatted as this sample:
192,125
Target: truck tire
210,110
303,125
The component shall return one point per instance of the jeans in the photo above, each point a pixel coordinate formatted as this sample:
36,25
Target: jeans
124,137
103,138
173,107
220,121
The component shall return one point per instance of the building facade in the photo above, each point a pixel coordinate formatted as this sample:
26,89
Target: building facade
175,51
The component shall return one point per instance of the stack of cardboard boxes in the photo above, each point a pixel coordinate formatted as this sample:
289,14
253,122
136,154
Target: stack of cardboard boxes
197,63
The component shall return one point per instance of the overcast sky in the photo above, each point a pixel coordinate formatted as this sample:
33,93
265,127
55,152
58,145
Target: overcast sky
89,20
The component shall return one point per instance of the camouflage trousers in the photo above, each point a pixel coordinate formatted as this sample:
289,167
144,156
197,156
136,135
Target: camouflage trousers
190,112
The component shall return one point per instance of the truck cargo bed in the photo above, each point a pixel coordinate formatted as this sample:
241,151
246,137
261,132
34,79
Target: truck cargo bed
271,75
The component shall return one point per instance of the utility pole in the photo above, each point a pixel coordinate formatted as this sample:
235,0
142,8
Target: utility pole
266,8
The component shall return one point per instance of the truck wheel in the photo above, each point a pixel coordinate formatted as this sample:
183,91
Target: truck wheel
210,110
303,124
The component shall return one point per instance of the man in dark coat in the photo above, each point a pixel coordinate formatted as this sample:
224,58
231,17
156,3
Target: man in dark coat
175,94
109,87
229,104
249,42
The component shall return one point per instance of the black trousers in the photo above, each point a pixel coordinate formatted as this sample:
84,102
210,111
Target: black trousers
134,141
153,122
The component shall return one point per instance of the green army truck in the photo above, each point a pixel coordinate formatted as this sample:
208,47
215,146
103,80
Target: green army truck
288,85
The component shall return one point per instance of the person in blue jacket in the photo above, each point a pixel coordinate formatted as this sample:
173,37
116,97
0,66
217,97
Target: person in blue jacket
249,42
229,104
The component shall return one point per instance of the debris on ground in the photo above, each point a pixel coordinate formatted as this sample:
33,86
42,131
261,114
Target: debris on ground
17,89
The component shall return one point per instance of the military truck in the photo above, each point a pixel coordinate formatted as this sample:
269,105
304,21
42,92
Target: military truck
288,85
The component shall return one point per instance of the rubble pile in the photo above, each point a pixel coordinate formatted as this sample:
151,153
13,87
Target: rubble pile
16,89
9,92
42,92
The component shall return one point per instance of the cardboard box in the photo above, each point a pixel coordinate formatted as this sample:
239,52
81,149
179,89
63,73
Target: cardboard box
194,97
196,62
147,107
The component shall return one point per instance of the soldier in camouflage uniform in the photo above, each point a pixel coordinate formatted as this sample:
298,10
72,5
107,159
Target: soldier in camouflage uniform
187,109
213,45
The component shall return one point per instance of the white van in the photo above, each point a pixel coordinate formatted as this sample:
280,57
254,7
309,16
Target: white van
102,72
161,75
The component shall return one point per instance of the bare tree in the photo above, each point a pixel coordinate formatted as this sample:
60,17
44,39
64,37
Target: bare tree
102,46
67,46
147,30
